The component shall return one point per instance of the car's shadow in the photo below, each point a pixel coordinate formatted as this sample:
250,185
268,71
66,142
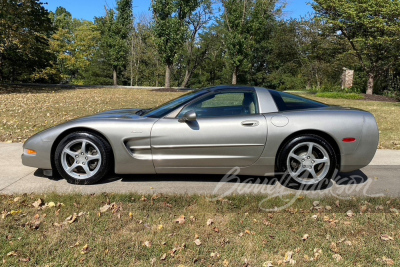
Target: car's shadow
342,179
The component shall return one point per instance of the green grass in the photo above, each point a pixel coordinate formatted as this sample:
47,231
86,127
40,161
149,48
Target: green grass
139,230
339,95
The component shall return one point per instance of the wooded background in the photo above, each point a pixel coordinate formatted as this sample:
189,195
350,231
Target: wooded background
200,43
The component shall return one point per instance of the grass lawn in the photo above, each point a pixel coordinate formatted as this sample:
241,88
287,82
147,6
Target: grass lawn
31,110
135,230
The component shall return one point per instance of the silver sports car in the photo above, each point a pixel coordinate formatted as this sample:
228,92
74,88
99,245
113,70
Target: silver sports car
261,131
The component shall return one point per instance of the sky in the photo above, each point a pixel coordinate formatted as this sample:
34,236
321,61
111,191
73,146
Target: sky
88,9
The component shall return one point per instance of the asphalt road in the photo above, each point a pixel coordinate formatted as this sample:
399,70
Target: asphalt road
380,178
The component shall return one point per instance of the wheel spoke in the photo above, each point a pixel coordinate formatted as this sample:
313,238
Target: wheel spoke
93,157
298,172
87,170
69,152
310,148
71,168
312,172
319,161
83,148
298,158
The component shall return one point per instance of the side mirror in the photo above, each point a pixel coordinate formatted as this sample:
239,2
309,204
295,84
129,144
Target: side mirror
189,116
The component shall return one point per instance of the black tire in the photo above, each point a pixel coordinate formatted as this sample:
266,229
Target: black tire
297,145
87,170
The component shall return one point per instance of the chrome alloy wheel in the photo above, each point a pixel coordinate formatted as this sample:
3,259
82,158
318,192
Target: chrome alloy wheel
308,163
81,159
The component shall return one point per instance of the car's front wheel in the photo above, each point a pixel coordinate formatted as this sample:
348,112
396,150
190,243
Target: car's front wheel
307,160
83,158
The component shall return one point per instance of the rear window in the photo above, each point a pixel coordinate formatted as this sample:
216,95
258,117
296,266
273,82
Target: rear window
286,101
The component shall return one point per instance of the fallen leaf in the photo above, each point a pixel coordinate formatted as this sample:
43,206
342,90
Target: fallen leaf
328,207
316,203
348,243
25,260
388,261
51,204
12,254
337,203
17,199
363,209
337,257
147,244
181,219
38,203
334,247
288,256
160,227
315,216
268,264
385,237
393,210
197,242
163,257
105,208
85,249
209,222
350,213
226,263
305,237
15,212
130,215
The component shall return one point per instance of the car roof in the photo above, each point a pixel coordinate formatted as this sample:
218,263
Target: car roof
229,88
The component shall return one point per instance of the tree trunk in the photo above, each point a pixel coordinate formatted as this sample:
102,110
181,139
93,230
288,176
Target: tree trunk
234,76
185,82
168,76
115,77
370,86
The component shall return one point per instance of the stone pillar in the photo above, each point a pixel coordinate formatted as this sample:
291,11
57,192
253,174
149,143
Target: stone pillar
347,78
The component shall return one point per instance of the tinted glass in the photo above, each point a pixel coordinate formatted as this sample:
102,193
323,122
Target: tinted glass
170,106
224,104
286,101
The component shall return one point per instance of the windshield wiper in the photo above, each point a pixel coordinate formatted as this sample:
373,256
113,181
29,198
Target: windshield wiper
140,112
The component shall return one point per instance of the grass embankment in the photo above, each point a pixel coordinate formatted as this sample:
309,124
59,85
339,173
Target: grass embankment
31,110
135,230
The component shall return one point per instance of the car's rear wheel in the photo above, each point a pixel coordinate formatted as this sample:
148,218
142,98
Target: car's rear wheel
307,160
83,158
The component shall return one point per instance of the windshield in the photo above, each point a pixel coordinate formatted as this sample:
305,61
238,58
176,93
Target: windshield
168,107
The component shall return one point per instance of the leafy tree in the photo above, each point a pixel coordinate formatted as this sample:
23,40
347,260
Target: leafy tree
171,29
246,22
25,28
116,29
195,53
372,29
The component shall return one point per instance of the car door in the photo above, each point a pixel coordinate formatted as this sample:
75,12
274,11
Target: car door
228,132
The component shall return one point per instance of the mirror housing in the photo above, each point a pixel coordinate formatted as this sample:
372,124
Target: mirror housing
189,116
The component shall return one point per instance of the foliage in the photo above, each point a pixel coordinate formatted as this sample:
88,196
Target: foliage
25,28
371,28
171,29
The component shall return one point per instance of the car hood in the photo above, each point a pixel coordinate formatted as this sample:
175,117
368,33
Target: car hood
121,114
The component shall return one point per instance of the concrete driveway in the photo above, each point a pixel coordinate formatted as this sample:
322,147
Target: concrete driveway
380,178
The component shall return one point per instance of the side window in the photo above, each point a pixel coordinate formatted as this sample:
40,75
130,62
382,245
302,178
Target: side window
224,104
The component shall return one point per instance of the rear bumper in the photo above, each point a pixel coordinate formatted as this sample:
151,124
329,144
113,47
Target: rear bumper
366,149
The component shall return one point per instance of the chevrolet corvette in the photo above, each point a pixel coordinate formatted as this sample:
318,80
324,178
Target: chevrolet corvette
261,131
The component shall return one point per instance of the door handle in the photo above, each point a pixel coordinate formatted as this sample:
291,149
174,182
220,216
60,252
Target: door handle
250,123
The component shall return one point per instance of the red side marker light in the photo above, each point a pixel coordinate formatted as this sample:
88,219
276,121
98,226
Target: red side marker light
349,140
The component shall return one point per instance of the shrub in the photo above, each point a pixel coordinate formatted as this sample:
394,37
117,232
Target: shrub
340,95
